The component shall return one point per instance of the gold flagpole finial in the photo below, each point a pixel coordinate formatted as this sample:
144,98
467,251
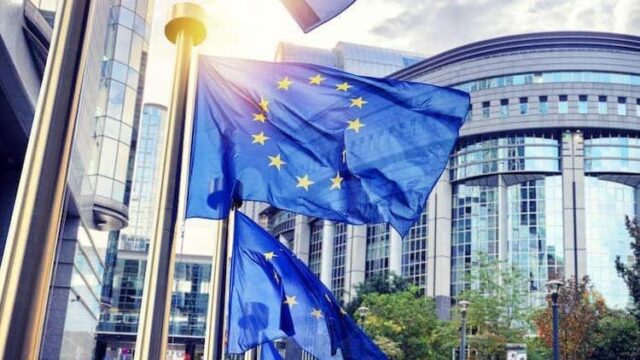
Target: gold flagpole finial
187,17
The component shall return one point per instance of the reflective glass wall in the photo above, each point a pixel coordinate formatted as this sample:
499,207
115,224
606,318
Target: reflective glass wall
606,205
377,256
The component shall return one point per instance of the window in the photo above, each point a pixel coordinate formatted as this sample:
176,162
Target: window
602,105
583,104
504,108
524,106
637,107
622,106
563,104
485,109
544,105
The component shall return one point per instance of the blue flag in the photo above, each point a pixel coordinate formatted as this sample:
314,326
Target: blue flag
318,141
268,351
274,295
309,14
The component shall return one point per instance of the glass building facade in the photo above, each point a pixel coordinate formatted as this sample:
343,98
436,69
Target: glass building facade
548,159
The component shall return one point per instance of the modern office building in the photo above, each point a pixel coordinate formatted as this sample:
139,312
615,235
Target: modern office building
110,96
545,171
124,282
354,58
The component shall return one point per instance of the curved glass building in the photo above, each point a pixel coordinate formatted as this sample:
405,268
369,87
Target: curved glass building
545,171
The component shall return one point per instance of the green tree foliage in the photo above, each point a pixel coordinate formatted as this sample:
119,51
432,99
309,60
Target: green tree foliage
617,337
377,284
405,326
631,273
498,311
580,309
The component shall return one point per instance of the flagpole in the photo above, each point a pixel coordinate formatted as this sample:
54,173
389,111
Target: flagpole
215,333
27,265
185,28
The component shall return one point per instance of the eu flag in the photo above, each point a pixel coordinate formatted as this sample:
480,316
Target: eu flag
274,295
309,14
318,141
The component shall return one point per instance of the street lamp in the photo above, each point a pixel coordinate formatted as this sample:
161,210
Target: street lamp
363,311
554,286
464,305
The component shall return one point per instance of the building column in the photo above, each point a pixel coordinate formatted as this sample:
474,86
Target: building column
573,206
355,259
503,220
326,259
301,234
61,289
439,246
395,252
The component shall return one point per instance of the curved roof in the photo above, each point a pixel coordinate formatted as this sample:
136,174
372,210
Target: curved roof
525,42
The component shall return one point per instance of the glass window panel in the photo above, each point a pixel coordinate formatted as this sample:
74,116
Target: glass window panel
129,106
116,99
126,17
543,105
563,104
524,106
140,27
108,154
504,108
118,191
111,41
104,186
122,163
130,4
123,45
602,105
132,79
125,134
119,71
583,104
141,8
622,106
112,128
485,109
136,52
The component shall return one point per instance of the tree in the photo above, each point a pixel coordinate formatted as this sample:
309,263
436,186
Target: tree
631,273
407,321
617,337
580,309
377,284
498,312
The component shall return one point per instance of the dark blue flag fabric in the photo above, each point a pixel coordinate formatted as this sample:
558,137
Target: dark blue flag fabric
268,351
274,295
318,141
309,14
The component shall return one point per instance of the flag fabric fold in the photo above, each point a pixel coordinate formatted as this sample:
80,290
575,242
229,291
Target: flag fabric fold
309,14
273,295
318,141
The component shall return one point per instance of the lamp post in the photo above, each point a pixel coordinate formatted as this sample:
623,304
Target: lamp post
363,311
464,305
554,286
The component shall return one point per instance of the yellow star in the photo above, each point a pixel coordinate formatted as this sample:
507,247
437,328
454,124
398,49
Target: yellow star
269,255
276,161
284,83
357,102
316,313
336,182
355,125
259,117
343,87
291,300
316,80
264,104
260,138
304,182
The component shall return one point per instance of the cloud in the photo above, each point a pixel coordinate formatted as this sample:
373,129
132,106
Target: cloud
437,25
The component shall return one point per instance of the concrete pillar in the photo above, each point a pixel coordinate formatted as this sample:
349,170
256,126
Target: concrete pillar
61,289
439,246
395,252
355,259
301,235
573,208
326,259
503,220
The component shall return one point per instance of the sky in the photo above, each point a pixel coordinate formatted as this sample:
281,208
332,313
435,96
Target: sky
253,28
